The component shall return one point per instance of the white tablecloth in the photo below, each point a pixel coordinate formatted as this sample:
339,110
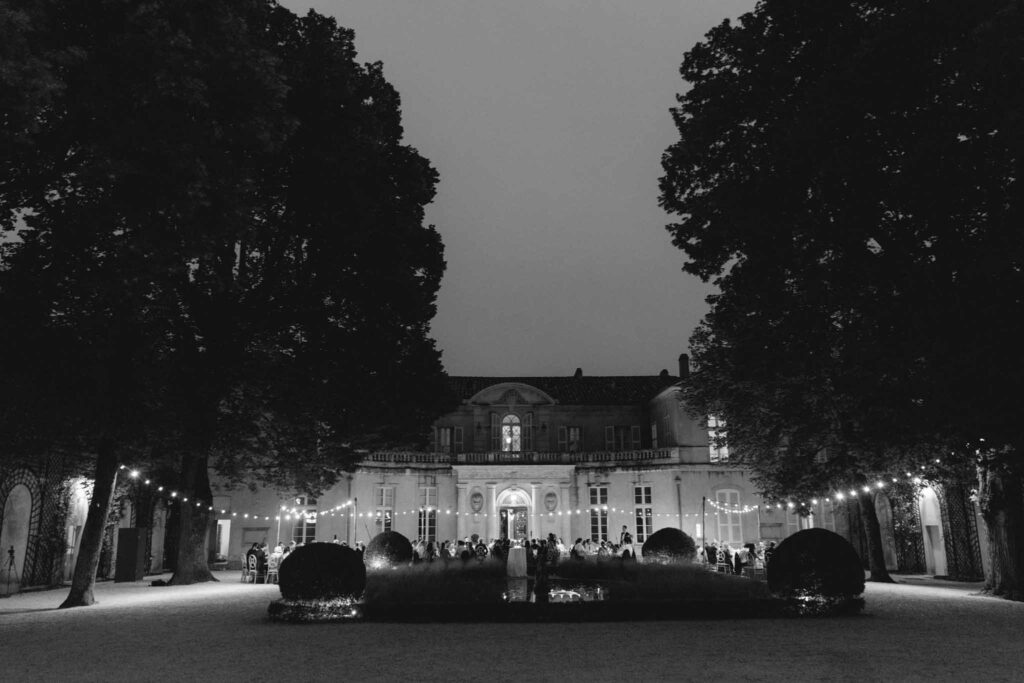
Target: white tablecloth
517,562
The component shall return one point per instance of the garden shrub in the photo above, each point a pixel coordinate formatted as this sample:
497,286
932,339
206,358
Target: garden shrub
437,583
652,582
669,545
816,563
321,571
388,549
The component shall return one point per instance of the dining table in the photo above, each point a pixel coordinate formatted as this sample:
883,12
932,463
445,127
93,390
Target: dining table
516,565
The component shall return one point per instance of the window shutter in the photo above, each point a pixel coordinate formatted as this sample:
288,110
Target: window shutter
634,436
528,433
495,433
433,439
609,438
457,448
563,439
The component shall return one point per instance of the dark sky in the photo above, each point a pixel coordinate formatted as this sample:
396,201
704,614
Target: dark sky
546,120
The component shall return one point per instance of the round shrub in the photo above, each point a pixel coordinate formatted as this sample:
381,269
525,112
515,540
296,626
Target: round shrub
321,571
388,549
818,563
669,545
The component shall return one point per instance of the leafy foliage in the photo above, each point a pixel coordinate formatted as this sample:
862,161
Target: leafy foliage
322,571
847,173
816,562
437,583
669,545
212,222
386,550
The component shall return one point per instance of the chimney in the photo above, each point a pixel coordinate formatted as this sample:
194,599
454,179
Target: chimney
578,373
684,366
663,374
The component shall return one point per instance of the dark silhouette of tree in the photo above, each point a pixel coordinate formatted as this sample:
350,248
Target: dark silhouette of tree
848,175
251,174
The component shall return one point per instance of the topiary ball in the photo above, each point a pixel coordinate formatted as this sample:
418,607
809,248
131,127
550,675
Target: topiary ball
815,562
320,571
388,549
669,545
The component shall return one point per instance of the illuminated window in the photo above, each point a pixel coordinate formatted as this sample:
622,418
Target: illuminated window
511,434
729,526
716,439
598,513
427,526
644,512
304,530
384,516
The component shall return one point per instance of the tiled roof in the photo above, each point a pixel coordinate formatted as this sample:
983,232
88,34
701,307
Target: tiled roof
583,390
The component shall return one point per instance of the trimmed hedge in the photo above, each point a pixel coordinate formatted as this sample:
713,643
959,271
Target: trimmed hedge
669,545
388,549
816,563
437,583
321,571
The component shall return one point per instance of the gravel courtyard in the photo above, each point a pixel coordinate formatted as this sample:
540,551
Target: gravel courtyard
915,630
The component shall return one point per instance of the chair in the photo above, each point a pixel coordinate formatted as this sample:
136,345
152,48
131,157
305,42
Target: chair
246,578
254,568
272,564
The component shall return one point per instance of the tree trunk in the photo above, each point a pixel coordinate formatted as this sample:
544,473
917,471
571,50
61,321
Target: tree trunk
873,531
193,565
84,579
1001,498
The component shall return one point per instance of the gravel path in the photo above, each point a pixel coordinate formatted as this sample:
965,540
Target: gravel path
916,630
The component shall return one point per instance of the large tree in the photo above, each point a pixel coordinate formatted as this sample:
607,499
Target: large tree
848,175
253,175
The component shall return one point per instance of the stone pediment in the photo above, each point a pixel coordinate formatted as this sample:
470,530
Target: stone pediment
511,394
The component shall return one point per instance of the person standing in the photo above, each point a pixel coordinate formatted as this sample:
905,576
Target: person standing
626,542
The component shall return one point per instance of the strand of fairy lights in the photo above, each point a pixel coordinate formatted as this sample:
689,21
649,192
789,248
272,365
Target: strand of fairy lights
348,507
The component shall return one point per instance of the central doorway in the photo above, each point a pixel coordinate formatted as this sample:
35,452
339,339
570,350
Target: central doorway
513,514
514,523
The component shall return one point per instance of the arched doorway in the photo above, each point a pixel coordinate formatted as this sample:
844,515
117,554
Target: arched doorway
514,514
14,538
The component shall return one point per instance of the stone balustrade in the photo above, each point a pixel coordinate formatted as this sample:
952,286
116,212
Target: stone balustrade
660,455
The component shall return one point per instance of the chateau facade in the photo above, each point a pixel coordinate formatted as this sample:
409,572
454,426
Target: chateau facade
519,457
523,457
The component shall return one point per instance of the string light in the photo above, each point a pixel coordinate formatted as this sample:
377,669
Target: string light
348,507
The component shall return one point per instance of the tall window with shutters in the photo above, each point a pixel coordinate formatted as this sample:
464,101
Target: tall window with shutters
730,528
644,512
622,437
427,526
570,439
598,513
511,434
385,512
449,440
304,530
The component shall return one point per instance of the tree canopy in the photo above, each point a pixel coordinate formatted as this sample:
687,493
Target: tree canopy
217,197
848,173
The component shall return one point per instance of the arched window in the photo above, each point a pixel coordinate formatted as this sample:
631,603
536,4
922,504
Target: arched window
511,434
